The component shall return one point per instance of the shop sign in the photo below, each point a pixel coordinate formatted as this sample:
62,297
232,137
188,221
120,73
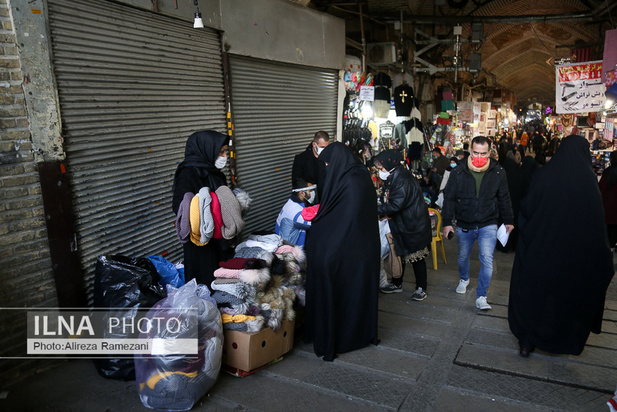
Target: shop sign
579,88
367,93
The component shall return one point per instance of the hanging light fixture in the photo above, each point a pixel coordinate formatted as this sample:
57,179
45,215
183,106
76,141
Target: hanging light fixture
198,23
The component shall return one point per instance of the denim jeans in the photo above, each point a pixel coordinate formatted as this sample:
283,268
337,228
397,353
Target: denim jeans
487,237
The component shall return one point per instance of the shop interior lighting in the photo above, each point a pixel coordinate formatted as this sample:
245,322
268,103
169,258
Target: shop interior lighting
611,96
198,23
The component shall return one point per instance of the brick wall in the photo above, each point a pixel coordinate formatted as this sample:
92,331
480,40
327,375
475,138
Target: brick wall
26,277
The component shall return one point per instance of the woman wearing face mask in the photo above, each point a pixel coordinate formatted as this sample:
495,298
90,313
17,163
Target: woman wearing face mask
408,217
204,157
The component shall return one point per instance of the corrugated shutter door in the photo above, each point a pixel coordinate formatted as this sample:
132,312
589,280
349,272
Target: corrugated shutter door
132,87
277,109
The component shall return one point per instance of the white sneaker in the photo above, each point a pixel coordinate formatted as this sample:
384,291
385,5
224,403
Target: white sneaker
462,286
482,304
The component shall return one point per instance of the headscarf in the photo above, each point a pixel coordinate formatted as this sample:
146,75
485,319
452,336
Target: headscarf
202,149
389,159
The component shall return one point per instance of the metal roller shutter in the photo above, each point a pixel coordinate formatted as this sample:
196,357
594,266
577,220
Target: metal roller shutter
133,85
277,109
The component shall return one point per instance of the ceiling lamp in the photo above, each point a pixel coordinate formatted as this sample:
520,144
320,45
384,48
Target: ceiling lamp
198,23
611,96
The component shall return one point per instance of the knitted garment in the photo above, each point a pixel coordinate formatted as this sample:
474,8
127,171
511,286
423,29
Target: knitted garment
225,281
231,213
236,318
183,222
225,299
240,290
240,327
235,263
215,208
268,247
274,239
227,273
253,253
285,249
195,235
205,215
309,213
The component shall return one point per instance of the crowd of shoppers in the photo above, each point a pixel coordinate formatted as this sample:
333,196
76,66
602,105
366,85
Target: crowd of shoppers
559,259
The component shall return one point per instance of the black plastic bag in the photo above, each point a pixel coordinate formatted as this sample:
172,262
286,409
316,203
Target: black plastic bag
124,282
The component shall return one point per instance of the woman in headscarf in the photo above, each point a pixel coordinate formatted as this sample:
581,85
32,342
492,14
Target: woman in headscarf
608,188
204,157
528,168
343,251
563,264
409,221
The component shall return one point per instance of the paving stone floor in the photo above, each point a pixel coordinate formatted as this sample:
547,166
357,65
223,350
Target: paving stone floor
441,354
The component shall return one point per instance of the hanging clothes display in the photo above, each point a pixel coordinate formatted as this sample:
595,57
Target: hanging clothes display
403,100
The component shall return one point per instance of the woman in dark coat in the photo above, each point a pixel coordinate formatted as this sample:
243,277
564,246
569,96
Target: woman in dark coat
563,264
409,220
204,157
528,168
343,250
608,188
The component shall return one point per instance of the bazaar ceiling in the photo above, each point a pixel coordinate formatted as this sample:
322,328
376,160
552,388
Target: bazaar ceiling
520,43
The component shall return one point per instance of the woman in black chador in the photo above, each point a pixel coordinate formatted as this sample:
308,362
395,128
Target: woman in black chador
343,251
563,263
204,157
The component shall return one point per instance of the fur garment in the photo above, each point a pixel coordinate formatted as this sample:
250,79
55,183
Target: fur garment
243,199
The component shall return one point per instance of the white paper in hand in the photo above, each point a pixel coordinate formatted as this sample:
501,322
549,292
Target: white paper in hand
502,235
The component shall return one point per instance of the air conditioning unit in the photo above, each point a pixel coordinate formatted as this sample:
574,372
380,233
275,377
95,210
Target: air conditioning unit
380,54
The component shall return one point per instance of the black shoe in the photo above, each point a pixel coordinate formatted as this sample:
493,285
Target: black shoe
392,288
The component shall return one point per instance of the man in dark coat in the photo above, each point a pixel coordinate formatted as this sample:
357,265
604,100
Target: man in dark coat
477,196
409,220
563,264
343,251
306,168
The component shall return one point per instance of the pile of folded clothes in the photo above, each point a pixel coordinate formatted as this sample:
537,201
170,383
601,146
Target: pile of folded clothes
257,288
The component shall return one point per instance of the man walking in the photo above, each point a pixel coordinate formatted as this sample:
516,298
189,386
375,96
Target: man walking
477,196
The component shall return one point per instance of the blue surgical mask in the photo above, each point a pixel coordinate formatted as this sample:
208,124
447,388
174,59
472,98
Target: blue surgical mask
453,164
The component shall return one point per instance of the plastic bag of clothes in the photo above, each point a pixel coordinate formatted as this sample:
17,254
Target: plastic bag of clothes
174,382
123,282
170,275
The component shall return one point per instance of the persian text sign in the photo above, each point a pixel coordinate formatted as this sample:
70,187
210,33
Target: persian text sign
579,88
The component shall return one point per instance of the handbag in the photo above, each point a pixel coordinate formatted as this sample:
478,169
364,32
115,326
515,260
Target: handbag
393,264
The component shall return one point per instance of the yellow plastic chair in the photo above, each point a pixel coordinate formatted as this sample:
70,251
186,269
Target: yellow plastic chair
437,238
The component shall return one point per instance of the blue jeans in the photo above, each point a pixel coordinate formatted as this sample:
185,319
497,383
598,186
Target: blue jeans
487,237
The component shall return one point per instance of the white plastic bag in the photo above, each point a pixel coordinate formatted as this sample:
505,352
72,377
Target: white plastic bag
176,382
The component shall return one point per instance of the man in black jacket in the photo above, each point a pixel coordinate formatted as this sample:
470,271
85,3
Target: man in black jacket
477,196
306,167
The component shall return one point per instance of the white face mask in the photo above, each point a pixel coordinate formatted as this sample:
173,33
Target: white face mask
384,174
311,197
220,162
319,150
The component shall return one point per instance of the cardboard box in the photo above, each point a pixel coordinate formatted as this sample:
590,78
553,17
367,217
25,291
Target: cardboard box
248,351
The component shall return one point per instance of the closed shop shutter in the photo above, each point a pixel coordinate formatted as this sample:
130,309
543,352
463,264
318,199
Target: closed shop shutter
277,109
133,85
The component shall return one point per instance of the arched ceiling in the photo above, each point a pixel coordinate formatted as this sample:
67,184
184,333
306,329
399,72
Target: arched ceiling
521,38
